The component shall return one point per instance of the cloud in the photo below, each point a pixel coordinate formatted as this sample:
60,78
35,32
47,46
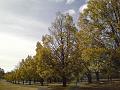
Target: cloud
22,23
13,49
71,12
23,18
69,1
84,6
57,0
22,26
87,0
81,9
20,29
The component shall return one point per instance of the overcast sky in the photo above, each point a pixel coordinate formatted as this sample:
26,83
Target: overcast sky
23,22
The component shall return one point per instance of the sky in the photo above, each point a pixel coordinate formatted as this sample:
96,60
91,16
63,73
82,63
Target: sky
23,22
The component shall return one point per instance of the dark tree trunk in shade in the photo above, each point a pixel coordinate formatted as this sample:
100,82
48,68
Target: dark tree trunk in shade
64,81
41,81
23,82
29,82
89,76
97,76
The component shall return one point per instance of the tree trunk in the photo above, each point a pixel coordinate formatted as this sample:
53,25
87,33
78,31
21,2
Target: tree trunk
81,79
15,82
34,81
29,82
23,82
41,81
50,80
97,76
77,80
18,82
109,78
89,76
64,81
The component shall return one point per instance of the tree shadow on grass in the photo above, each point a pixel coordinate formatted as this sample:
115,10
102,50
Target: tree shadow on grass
83,88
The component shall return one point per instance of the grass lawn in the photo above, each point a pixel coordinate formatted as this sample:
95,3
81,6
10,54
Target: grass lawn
7,86
115,85
84,86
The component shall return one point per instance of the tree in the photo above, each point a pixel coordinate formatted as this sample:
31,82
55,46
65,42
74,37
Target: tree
28,66
26,69
102,16
1,73
62,40
95,58
42,57
100,21
87,47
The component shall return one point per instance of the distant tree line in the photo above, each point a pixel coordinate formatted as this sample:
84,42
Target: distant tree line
71,52
2,73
